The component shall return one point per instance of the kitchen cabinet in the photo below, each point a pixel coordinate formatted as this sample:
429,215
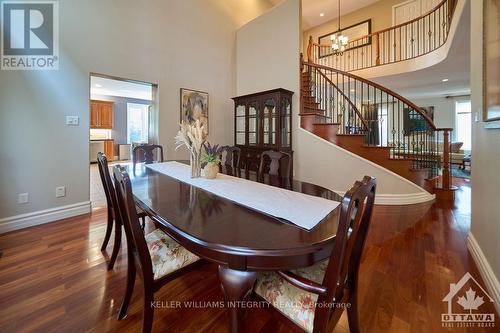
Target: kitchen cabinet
109,149
101,114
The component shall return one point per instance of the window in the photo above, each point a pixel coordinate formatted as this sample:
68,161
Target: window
137,123
463,123
383,119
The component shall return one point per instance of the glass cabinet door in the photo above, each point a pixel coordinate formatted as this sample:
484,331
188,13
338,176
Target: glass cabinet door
253,124
269,117
286,114
241,124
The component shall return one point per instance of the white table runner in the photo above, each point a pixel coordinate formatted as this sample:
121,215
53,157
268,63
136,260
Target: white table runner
301,209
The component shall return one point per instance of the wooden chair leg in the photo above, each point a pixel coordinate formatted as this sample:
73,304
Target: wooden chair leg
109,227
143,224
352,313
148,311
116,246
131,273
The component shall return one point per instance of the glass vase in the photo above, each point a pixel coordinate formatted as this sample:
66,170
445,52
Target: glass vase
195,164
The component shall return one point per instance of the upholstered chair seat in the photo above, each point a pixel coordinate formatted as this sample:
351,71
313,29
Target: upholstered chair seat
294,303
166,254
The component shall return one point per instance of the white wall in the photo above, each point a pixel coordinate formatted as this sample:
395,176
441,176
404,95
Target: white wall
268,57
444,110
188,43
485,180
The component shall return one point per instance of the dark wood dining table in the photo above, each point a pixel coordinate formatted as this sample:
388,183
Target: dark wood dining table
242,241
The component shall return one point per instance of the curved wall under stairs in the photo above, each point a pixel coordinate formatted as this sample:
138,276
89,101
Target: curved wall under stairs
325,163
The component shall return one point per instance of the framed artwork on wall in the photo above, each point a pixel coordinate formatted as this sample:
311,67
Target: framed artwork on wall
352,32
491,62
194,105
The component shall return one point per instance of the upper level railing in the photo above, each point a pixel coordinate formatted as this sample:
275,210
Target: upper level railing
386,118
401,42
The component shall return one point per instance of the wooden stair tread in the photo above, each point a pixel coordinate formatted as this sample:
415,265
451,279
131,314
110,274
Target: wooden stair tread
323,124
319,113
350,135
376,147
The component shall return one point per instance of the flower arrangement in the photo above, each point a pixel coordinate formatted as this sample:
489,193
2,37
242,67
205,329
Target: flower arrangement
192,135
211,157
212,153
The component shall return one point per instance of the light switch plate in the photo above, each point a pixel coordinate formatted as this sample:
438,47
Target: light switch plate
72,120
23,198
60,191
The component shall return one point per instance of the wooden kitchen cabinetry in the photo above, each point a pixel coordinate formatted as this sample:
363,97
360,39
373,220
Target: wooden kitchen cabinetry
109,149
101,114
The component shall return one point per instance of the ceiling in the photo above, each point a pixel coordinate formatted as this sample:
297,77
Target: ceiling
427,82
311,10
110,87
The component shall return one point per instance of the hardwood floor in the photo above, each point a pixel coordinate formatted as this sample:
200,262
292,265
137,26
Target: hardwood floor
53,278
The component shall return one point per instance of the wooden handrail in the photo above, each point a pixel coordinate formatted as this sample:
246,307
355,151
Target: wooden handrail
395,26
363,120
378,86
309,48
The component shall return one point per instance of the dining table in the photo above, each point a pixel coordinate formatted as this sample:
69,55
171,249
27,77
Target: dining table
241,240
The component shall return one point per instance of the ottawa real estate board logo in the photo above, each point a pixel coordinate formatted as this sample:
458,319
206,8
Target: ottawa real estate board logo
29,35
466,301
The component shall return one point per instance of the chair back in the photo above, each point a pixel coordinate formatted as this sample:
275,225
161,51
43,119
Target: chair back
107,183
276,167
355,217
232,156
128,213
145,154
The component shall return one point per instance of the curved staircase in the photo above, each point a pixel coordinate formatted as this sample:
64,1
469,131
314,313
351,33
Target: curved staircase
373,121
337,107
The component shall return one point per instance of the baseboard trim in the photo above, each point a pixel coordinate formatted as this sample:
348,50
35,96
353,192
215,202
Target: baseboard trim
400,199
43,216
492,284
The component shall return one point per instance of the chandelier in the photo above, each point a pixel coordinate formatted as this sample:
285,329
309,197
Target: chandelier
339,41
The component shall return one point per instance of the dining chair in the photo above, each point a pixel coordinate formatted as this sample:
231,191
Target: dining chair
158,257
312,299
113,216
275,167
232,159
145,154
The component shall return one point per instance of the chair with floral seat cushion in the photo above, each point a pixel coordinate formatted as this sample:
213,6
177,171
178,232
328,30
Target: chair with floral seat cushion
312,299
113,217
232,158
275,163
166,254
157,256
145,153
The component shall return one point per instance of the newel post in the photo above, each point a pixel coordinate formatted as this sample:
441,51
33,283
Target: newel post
309,49
445,191
377,49
446,158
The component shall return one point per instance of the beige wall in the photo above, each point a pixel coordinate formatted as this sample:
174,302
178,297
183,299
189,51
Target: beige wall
173,43
256,70
485,180
380,13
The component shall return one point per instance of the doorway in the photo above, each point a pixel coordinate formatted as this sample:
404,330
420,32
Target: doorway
461,154
123,113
